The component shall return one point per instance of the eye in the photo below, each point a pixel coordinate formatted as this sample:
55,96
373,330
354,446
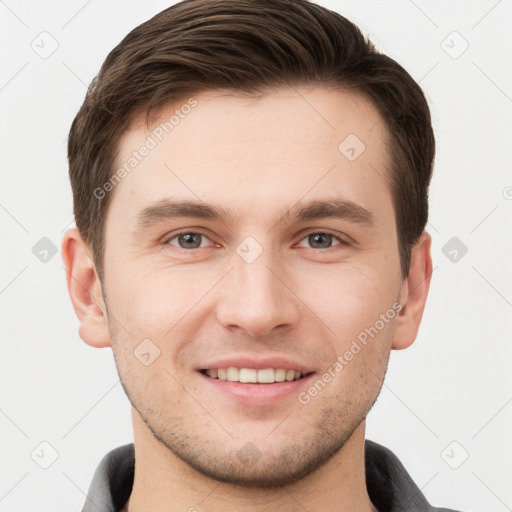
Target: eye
321,240
197,240
188,240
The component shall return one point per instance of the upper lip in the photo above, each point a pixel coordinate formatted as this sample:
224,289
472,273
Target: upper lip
257,363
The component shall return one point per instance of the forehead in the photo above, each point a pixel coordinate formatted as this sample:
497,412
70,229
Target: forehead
253,152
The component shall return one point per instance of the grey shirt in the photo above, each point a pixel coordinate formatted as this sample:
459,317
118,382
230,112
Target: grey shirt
390,487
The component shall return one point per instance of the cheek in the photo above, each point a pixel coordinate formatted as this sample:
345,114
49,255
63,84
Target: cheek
152,301
165,305
145,317
349,302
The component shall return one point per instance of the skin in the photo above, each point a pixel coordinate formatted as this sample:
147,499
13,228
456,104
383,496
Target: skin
257,157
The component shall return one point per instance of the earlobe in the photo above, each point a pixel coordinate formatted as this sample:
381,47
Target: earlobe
85,290
414,294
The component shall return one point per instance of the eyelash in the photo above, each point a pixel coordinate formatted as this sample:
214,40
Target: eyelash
341,241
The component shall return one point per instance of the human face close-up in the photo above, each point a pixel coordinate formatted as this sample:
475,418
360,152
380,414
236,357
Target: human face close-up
273,282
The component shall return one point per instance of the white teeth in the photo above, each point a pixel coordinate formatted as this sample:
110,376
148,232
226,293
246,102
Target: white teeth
265,376
232,373
280,375
248,375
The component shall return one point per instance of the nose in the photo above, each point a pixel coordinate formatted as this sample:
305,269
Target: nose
257,297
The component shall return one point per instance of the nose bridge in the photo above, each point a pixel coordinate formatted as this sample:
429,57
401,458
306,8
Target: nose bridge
255,297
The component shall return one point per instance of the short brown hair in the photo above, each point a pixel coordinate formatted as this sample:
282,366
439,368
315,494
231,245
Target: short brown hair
247,46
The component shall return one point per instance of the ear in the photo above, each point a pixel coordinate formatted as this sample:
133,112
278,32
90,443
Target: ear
85,290
413,295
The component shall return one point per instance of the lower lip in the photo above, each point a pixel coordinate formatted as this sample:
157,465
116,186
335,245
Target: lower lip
258,394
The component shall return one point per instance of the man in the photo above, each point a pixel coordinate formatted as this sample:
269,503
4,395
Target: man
250,184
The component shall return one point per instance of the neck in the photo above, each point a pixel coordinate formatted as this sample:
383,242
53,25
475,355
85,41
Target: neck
163,482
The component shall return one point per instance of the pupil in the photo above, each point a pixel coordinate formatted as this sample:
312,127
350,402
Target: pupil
190,239
320,240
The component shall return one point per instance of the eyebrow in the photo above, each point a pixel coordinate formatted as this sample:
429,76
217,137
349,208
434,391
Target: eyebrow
337,208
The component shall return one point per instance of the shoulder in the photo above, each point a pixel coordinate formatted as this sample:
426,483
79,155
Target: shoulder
390,486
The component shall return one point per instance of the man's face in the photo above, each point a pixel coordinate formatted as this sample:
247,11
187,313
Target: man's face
258,284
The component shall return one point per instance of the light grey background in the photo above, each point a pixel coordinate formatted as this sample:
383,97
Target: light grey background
446,397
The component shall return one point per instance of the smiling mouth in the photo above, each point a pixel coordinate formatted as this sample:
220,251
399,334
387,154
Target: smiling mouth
253,376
